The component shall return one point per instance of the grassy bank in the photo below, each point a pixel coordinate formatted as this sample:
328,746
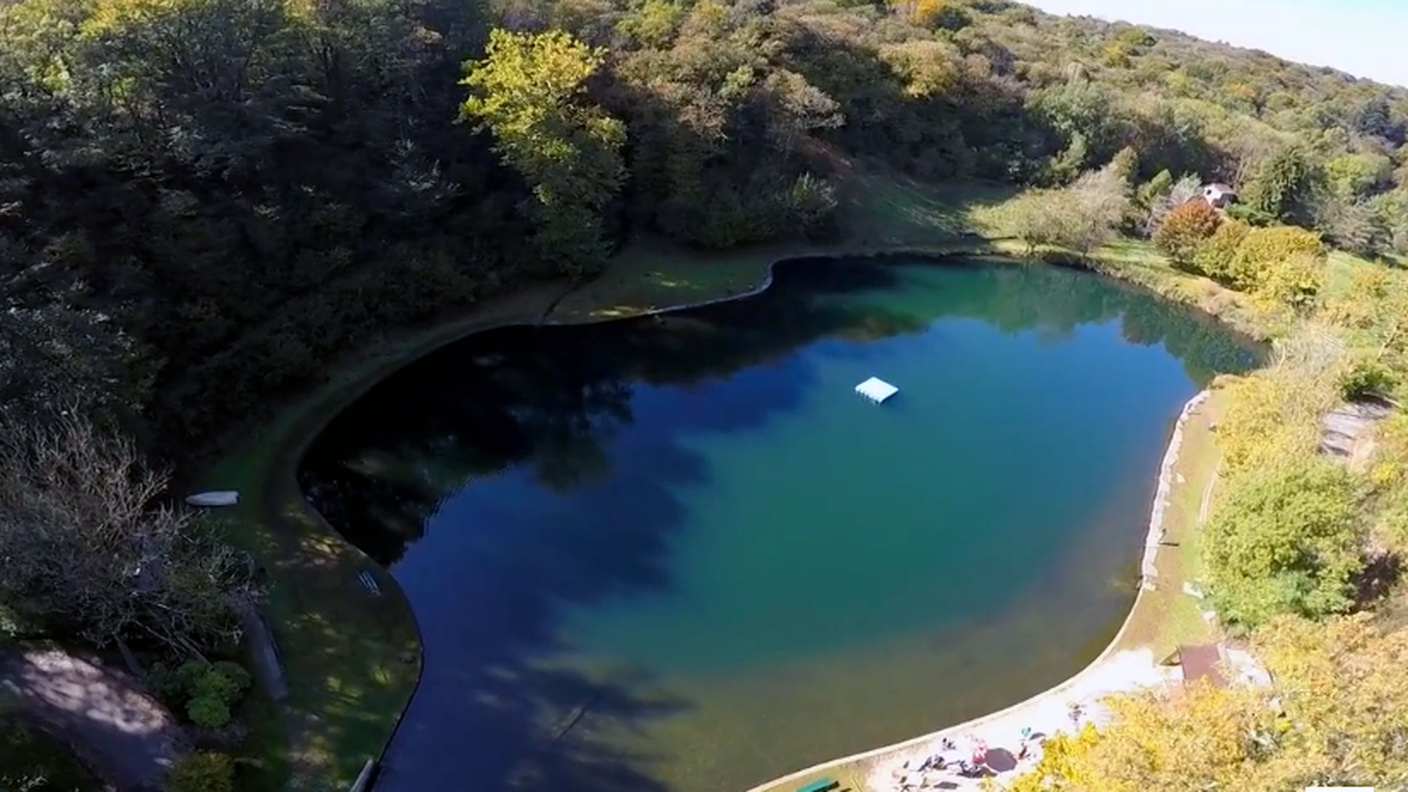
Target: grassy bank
1166,616
351,658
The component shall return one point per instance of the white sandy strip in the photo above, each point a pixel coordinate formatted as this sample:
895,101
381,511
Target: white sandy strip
1047,712
1045,715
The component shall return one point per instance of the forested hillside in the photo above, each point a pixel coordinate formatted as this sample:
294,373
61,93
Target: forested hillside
201,201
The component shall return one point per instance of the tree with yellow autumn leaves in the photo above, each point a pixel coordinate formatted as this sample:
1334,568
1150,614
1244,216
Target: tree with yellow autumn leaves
1336,714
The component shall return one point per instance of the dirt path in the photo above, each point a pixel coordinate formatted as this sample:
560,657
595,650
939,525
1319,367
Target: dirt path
123,734
1206,501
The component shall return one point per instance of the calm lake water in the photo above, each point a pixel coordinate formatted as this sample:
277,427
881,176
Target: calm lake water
683,555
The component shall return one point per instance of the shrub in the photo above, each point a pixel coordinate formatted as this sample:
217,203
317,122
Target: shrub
1286,539
224,681
1367,377
1250,215
208,691
208,712
1184,229
1081,217
1277,411
1293,282
1214,256
190,673
166,683
1053,219
1265,249
201,772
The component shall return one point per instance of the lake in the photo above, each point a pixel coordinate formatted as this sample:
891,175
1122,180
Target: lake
681,554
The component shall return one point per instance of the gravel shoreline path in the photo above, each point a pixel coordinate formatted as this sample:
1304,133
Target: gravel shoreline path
116,728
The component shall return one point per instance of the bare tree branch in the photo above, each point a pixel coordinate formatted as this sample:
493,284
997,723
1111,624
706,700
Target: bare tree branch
83,547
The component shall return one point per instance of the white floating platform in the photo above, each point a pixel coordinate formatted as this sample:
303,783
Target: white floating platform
876,389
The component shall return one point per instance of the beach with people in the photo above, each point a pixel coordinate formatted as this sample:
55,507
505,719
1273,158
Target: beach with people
1006,744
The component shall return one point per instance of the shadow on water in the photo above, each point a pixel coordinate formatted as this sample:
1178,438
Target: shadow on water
545,407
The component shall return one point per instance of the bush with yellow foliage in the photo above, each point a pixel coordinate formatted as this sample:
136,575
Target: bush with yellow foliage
1213,256
1334,715
934,14
1266,249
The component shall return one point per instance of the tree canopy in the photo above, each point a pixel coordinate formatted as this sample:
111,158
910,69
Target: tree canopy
1285,540
207,197
529,91
1333,717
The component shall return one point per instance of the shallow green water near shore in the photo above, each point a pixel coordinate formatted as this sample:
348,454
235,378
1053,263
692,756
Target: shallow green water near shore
683,555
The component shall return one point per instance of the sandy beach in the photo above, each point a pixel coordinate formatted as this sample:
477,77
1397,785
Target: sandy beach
1045,715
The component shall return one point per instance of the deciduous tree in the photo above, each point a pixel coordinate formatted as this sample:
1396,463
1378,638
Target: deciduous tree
1332,717
530,91
1190,740
1184,229
1081,217
1285,537
1214,257
1345,699
88,549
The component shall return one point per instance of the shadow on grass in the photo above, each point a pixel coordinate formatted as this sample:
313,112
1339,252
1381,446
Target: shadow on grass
895,209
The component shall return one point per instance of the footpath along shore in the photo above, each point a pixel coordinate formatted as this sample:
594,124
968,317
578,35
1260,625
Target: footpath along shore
886,769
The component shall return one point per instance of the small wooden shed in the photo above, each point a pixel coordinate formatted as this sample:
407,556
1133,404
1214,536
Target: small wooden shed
1199,661
1219,195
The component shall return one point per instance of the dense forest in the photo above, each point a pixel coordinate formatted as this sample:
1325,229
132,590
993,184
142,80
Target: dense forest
205,203
201,200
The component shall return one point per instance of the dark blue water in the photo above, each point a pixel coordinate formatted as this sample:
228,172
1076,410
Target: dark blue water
682,554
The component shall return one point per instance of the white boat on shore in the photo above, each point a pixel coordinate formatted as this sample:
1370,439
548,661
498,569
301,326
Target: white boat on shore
214,498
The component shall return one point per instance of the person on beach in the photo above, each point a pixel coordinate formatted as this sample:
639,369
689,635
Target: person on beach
980,753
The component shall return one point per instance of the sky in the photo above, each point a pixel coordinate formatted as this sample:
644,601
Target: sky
1366,38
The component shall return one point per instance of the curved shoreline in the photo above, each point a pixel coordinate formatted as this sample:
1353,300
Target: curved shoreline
311,416
1151,548
322,407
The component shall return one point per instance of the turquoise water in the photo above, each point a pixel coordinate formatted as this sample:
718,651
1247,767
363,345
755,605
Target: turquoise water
683,555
